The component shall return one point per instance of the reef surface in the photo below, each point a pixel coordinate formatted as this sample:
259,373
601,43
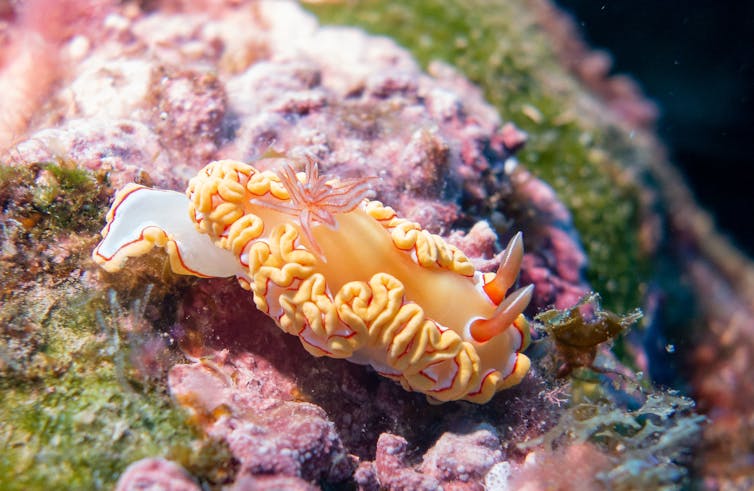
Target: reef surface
481,126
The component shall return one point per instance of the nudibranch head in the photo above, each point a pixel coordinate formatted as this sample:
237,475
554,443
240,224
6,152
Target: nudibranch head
348,277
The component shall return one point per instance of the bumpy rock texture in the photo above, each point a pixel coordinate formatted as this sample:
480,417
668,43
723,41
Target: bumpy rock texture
184,385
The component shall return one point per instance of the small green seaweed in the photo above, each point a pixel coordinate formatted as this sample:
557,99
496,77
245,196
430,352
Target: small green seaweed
77,403
576,335
647,433
49,215
72,415
67,196
648,445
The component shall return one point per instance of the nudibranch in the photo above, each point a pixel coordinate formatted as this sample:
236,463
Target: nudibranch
343,273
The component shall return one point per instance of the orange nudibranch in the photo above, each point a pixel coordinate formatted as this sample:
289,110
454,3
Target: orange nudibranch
345,274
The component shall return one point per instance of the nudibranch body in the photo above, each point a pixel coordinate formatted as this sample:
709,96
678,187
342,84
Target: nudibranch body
345,274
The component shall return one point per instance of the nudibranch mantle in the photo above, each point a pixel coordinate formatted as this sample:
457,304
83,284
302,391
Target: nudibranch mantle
343,273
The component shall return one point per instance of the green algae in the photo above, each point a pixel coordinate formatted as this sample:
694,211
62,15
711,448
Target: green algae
646,432
500,46
576,336
63,195
73,415
648,444
67,421
75,409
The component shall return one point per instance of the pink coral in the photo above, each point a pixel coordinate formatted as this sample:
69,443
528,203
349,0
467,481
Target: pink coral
457,461
245,402
574,467
156,474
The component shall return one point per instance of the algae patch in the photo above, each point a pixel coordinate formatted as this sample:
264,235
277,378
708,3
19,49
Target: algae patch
66,421
647,447
74,408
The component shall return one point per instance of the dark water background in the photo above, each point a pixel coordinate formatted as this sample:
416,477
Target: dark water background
695,59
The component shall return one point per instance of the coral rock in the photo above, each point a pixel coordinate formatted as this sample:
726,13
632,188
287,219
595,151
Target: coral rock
393,470
244,402
462,459
156,474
